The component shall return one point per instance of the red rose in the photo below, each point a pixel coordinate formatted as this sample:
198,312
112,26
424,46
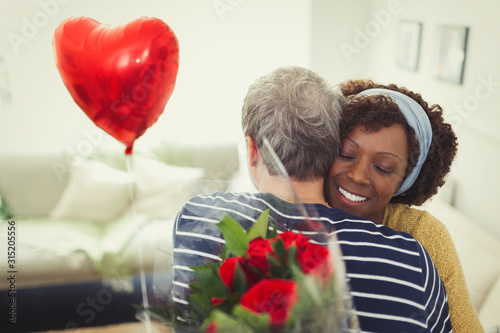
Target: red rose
290,238
275,297
257,254
312,258
315,259
287,237
228,269
212,328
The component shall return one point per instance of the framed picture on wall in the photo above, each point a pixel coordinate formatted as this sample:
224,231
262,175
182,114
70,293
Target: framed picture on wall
452,51
408,38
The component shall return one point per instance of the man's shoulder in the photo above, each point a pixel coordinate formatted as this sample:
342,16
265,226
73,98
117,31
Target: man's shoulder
213,206
227,197
346,223
222,200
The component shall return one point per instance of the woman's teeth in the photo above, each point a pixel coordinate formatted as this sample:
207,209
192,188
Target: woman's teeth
350,196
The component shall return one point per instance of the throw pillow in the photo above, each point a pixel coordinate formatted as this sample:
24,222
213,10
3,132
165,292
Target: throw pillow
162,189
95,191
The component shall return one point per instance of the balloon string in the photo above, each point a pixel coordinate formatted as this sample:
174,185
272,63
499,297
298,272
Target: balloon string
142,275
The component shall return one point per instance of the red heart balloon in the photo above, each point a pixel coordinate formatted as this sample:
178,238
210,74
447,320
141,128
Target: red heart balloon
121,77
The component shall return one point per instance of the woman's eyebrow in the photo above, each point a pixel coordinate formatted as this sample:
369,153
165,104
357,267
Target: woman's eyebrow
382,152
387,153
352,141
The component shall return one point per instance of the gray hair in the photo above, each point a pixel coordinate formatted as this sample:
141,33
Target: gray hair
299,113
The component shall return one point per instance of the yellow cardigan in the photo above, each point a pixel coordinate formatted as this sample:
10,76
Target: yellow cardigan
435,238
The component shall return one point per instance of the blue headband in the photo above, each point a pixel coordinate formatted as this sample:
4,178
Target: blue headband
418,120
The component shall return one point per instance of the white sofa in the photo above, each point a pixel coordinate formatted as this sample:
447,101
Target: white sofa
479,254
74,221
74,217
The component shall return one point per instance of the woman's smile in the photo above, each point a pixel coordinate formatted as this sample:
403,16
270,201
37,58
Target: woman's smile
368,171
351,198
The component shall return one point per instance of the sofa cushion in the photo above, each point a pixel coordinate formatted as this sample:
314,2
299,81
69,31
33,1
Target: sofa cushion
53,250
32,182
489,311
99,192
81,250
220,161
95,192
479,251
161,189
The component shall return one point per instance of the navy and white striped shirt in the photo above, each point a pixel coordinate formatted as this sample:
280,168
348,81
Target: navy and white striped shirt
393,281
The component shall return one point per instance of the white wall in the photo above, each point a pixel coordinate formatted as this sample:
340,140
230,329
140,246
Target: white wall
472,108
221,53
334,24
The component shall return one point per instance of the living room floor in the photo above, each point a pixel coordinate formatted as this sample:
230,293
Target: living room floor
137,327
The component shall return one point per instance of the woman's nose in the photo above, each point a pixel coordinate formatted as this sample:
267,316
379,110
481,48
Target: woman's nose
359,174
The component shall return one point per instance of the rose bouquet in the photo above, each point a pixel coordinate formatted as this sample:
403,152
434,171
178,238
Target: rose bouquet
285,277
266,282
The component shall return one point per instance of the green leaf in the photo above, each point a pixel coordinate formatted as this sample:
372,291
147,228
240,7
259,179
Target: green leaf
200,307
319,309
239,280
274,233
207,281
295,269
312,286
226,305
234,234
257,322
226,323
260,228
224,254
277,269
273,261
179,312
292,255
5,212
279,250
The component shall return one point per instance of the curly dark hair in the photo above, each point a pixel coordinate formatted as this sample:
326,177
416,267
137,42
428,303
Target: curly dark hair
376,111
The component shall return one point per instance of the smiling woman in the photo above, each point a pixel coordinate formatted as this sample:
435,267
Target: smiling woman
395,153
431,143
369,170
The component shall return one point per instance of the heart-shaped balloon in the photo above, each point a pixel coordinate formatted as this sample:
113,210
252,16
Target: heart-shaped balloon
121,77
